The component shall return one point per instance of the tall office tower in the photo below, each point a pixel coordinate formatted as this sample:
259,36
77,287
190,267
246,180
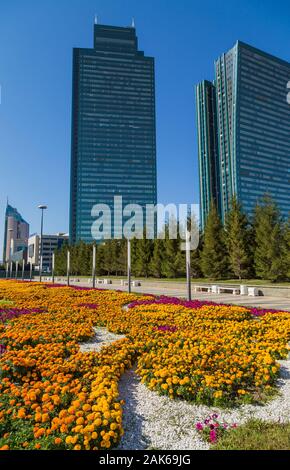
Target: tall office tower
113,127
207,148
16,235
252,151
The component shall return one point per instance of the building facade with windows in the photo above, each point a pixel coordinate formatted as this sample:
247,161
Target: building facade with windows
50,244
16,233
113,128
251,117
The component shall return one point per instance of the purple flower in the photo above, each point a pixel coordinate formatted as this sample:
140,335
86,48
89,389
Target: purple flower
92,306
10,313
169,328
193,304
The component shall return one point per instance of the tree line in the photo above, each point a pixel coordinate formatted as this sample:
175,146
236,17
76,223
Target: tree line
240,248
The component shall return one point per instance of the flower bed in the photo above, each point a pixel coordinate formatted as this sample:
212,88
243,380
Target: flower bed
52,396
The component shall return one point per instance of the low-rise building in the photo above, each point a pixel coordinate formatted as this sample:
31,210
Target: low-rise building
50,243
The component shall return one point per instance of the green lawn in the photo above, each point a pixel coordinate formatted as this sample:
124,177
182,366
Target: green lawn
5,303
256,435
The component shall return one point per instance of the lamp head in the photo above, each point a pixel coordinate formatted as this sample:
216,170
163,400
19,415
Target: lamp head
42,206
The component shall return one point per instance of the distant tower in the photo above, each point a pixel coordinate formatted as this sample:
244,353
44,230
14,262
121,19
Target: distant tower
16,233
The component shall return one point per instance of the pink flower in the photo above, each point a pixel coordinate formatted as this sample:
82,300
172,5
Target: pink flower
212,436
199,426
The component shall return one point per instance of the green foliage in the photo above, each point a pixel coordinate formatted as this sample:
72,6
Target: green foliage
144,250
214,263
156,261
287,249
238,249
269,251
237,238
256,435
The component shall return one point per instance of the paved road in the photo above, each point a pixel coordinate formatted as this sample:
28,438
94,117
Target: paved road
178,289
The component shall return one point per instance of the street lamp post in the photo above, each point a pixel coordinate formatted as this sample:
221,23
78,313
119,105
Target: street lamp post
30,273
188,267
42,207
23,266
129,265
52,267
68,266
16,270
7,270
94,266
11,249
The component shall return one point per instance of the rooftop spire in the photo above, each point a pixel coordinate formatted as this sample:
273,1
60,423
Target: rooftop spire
96,19
133,22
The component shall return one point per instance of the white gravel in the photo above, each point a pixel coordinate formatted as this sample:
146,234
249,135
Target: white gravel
102,337
156,422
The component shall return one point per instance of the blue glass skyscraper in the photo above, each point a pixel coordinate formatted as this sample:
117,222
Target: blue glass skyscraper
250,117
113,126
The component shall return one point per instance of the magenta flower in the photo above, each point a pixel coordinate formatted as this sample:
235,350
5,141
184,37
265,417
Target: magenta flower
199,426
92,306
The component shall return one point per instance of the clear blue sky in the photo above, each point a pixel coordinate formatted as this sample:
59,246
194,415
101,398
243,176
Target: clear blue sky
36,41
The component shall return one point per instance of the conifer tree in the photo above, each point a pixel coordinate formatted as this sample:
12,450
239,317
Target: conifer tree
180,263
134,255
195,260
195,254
100,269
269,250
143,256
121,264
108,261
60,260
155,265
237,240
214,263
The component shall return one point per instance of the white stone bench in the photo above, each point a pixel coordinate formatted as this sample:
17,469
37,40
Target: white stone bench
214,289
244,289
202,288
107,281
124,282
99,281
253,292
136,283
226,289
